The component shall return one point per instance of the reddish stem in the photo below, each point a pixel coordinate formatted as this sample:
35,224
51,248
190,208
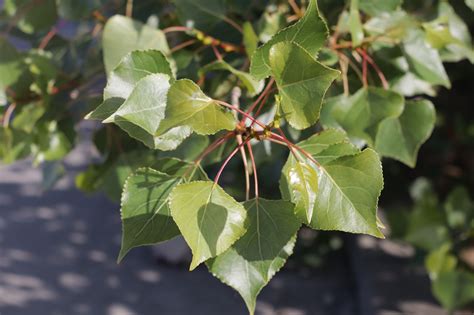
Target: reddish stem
8,114
217,53
377,69
259,99
183,45
229,158
45,41
290,144
177,29
254,166
364,70
241,112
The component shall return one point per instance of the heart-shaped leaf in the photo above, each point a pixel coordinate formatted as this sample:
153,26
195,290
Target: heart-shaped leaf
189,106
401,138
310,32
302,83
349,185
123,35
254,259
132,68
209,219
146,217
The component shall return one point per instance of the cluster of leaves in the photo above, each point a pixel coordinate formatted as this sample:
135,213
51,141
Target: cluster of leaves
329,182
48,59
234,76
444,233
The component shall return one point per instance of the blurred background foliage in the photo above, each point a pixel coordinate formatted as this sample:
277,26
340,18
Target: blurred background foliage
52,74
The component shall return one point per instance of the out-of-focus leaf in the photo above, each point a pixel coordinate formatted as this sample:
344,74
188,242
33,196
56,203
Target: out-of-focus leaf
123,35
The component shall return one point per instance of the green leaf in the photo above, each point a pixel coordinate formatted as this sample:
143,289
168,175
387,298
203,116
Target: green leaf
106,109
454,289
360,114
209,219
310,32
424,60
440,261
28,116
166,141
201,14
450,33
301,92
303,184
459,208
11,64
355,25
401,138
35,16
132,68
147,103
123,35
14,144
253,260
376,7
470,3
349,184
251,84
250,39
189,106
146,217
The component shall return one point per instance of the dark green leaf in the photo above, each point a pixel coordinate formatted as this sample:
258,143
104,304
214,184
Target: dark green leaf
254,259
209,219
301,92
310,32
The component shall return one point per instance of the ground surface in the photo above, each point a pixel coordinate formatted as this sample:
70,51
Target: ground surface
58,251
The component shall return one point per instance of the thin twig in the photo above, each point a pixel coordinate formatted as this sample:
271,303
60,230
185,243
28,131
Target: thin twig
259,99
261,124
129,8
236,94
217,53
374,65
177,29
364,70
295,8
45,41
344,64
229,158
233,24
8,115
183,45
254,167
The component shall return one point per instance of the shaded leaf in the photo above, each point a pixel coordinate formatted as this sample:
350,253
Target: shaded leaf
146,217
201,14
253,85
360,114
454,289
355,25
35,16
302,83
137,35
310,32
424,60
401,138
209,219
132,68
254,259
